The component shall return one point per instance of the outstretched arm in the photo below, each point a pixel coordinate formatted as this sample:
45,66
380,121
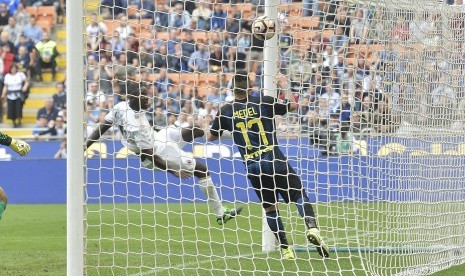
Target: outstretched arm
284,85
98,132
216,129
190,133
21,147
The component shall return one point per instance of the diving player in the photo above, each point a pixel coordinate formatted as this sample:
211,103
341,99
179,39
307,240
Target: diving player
160,150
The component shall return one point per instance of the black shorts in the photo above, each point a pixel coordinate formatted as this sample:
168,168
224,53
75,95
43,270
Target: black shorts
15,109
271,178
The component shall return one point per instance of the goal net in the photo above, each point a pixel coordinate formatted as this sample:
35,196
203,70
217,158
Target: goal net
378,139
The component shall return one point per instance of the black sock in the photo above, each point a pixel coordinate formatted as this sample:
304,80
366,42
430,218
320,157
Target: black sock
276,225
306,211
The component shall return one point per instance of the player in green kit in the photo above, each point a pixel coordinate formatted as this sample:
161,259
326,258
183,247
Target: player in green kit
22,148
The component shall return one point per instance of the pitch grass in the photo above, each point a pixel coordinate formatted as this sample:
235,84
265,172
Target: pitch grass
33,242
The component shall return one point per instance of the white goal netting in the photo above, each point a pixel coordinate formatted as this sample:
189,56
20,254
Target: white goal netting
377,140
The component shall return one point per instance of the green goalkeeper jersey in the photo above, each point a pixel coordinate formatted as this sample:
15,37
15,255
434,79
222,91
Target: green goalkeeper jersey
5,139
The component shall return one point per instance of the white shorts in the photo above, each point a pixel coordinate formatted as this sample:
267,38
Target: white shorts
169,144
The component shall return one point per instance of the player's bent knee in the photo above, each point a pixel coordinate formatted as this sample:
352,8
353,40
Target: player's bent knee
295,195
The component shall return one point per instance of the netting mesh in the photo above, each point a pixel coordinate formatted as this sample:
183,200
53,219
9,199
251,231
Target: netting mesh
377,139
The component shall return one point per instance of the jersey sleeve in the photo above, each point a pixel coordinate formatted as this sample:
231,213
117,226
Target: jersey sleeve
216,130
110,116
5,139
276,106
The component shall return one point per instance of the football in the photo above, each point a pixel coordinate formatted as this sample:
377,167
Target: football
263,28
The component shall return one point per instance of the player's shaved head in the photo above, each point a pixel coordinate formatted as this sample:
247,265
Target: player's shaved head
137,96
134,90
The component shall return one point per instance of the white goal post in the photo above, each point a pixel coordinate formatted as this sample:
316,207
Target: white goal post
75,186
270,70
378,139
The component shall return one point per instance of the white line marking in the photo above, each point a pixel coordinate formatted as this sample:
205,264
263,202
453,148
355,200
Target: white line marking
186,265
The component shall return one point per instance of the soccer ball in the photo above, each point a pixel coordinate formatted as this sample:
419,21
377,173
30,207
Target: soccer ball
263,28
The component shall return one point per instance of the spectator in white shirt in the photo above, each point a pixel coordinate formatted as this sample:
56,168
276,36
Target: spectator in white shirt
95,95
13,30
14,90
323,109
358,28
94,28
372,81
333,99
202,16
329,56
179,17
124,29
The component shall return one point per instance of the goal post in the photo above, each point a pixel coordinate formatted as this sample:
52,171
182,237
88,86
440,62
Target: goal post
377,140
270,71
75,135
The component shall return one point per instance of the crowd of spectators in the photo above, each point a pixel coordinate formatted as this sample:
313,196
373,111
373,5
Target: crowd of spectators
362,69
25,50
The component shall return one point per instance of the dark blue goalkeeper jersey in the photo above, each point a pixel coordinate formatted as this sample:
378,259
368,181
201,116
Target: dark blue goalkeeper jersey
251,122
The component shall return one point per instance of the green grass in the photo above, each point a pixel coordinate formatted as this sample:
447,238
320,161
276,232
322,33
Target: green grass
33,241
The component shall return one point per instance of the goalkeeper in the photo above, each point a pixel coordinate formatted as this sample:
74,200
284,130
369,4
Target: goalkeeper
22,148
251,122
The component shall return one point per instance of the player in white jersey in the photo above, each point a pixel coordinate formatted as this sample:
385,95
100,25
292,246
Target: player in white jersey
163,149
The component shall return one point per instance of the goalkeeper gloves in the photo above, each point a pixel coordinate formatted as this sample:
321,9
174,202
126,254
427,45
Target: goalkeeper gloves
21,147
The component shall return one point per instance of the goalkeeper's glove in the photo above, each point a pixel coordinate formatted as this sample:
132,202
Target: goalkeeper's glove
21,147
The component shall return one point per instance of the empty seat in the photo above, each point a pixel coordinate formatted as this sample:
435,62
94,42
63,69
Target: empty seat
47,12
297,22
32,11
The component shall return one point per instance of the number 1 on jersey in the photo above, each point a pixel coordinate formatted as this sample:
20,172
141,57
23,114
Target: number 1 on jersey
244,130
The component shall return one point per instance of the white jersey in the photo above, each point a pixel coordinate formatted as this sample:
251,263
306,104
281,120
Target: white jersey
170,134
134,126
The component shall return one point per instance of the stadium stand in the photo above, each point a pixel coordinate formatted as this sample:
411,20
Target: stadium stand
46,18
138,49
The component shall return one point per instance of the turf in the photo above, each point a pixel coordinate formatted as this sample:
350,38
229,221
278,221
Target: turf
33,242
